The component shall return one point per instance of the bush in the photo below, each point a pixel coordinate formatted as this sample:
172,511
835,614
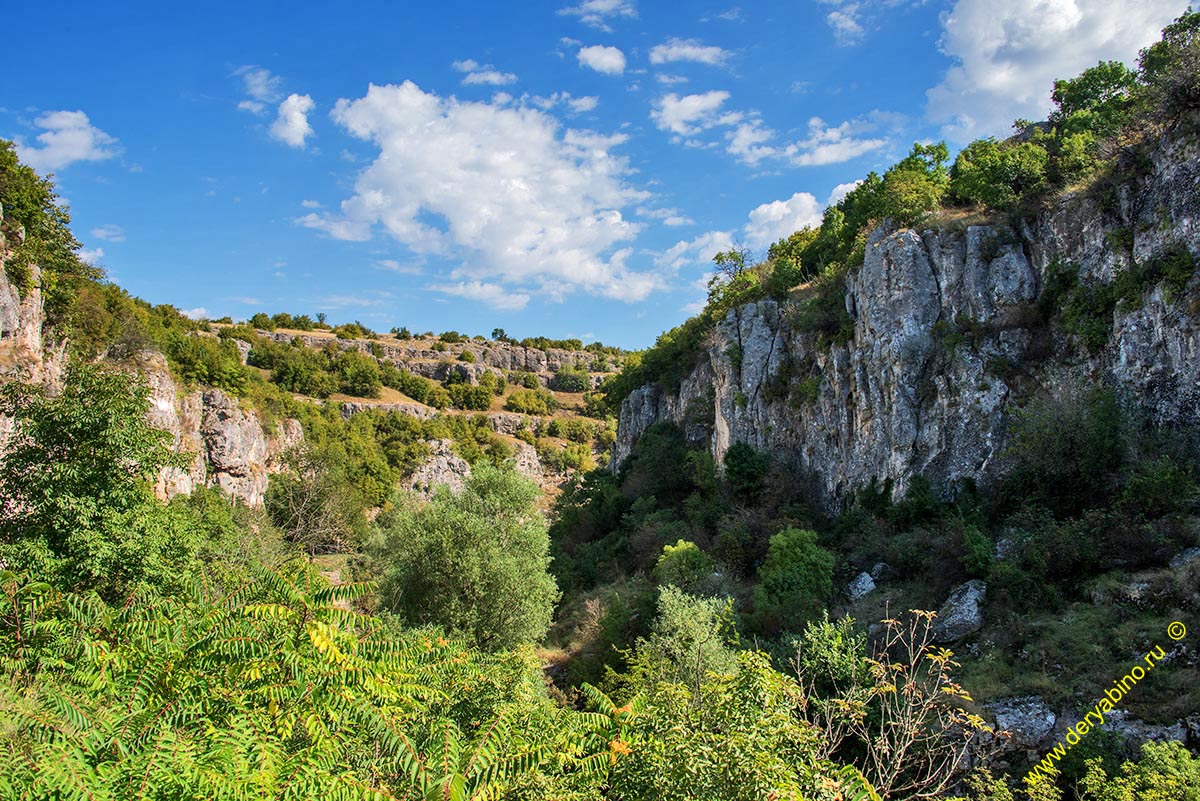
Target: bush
794,581
359,374
569,380
467,357
531,401
474,562
683,565
999,175
466,396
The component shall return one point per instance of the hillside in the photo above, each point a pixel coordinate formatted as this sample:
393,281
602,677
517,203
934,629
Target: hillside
909,510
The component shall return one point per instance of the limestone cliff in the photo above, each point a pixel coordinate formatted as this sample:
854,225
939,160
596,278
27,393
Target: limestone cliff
947,342
228,446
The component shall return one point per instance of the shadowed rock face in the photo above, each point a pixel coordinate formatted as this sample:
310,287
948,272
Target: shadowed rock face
946,345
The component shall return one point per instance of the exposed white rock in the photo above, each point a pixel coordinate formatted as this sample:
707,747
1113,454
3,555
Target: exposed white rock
962,613
901,398
1028,721
862,586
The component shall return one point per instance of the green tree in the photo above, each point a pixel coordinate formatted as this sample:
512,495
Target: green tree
31,201
76,479
794,581
1097,100
474,562
315,504
999,175
359,374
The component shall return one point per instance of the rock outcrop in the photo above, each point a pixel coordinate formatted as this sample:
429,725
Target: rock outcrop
228,445
947,342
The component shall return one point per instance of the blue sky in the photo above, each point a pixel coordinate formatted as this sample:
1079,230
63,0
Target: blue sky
557,168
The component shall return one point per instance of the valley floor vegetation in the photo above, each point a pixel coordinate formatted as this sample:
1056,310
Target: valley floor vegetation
664,633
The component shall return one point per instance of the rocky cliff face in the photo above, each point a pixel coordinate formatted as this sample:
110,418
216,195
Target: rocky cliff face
228,446
947,343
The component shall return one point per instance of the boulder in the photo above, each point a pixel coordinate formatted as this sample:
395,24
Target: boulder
1027,720
862,586
962,613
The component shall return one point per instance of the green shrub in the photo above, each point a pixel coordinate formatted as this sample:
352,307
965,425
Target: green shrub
466,396
794,581
467,357
570,380
474,562
999,175
530,401
683,565
358,374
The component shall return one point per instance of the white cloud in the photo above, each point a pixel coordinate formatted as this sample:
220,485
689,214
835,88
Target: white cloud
582,104
751,142
770,222
493,295
666,79
503,191
489,78
291,126
198,313
67,137
596,13
846,24
482,74
840,191
688,50
253,106
690,114
311,204
695,251
826,145
1009,52
91,256
260,84
393,266
608,60
109,233
671,217
577,105
245,301
733,14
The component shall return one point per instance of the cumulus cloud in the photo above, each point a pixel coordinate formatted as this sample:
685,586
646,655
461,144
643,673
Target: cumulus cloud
690,114
1009,52
91,256
109,233
695,251
671,217
831,145
688,50
291,126
198,313
770,222
748,139
577,105
597,13
493,295
311,204
67,137
501,190
608,60
482,74
260,84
